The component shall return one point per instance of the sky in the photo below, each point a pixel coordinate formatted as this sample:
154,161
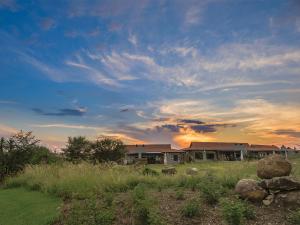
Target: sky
151,71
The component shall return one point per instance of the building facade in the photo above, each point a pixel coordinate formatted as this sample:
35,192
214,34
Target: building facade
153,154
201,151
198,151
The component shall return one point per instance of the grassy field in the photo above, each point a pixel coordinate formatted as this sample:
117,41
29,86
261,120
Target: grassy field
98,194
22,207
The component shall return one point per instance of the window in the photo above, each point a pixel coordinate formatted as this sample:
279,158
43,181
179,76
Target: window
199,155
175,158
210,156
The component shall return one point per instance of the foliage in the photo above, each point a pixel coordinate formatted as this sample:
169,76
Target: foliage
145,212
294,217
179,194
211,189
191,208
232,211
149,172
19,150
107,149
90,212
77,149
235,211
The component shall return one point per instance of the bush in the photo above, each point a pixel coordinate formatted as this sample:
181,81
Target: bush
88,211
179,195
211,191
143,206
234,211
149,172
294,217
191,208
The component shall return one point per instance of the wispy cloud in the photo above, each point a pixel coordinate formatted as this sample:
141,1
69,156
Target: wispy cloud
133,39
61,112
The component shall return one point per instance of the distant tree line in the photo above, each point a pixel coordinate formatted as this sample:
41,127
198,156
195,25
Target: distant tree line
98,151
24,148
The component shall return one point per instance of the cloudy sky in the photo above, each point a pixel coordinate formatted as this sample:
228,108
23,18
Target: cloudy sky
151,71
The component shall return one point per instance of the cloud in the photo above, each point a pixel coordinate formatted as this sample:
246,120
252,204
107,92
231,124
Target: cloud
288,132
94,74
66,126
47,23
105,8
193,16
191,121
170,127
10,5
133,39
61,112
85,34
7,102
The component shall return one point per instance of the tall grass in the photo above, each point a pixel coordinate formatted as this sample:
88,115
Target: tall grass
82,180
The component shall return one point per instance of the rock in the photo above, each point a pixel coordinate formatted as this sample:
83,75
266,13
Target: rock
169,170
191,171
273,166
288,199
249,189
280,184
268,200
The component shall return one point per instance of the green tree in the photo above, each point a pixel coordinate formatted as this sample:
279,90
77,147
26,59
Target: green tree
41,154
20,147
107,149
2,159
77,149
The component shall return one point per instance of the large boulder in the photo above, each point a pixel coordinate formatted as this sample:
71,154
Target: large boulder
169,170
288,199
191,171
273,166
250,190
280,184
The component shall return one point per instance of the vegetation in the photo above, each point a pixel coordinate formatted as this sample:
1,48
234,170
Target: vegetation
191,208
294,217
97,191
144,208
22,207
102,150
235,211
19,150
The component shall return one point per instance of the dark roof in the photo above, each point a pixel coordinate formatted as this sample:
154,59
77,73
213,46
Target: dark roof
150,148
263,148
216,146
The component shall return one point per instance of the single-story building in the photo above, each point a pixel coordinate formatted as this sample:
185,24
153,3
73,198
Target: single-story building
153,153
226,151
260,151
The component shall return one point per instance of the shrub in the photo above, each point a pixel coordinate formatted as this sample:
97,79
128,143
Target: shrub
143,206
211,191
191,208
232,212
249,212
179,195
149,172
89,211
294,217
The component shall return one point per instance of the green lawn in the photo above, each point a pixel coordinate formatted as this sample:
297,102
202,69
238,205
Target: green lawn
19,206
